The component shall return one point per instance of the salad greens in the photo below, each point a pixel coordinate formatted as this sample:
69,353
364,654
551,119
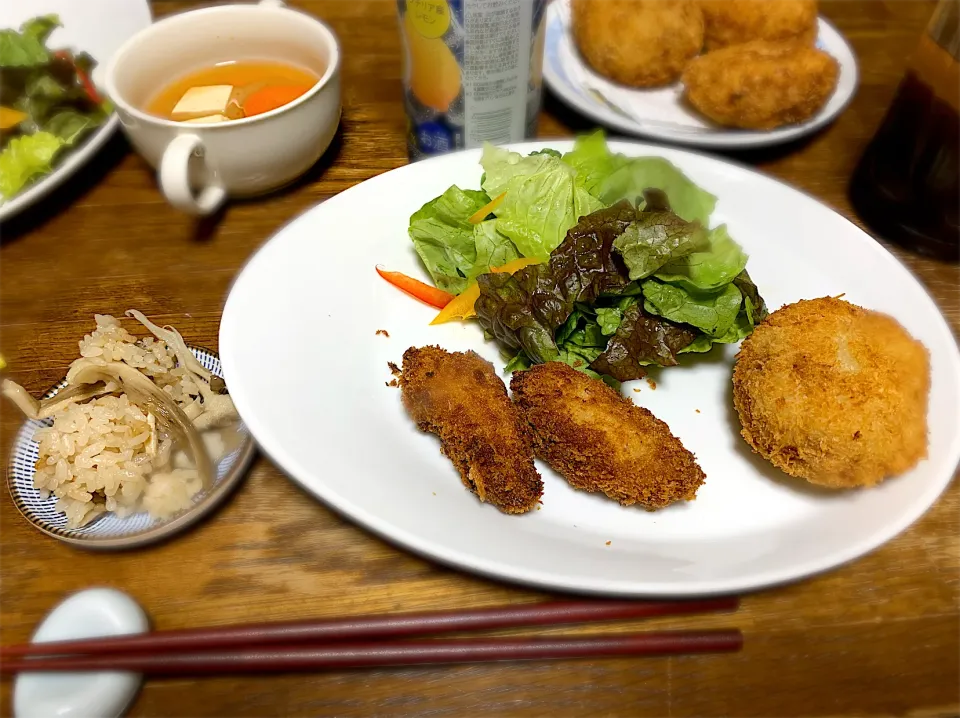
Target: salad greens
709,269
47,103
612,177
630,273
27,48
658,237
444,237
542,199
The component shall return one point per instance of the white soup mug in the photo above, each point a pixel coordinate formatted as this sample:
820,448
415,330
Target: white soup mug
201,165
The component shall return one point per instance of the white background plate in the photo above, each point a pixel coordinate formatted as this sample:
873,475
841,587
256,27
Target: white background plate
660,113
307,372
97,27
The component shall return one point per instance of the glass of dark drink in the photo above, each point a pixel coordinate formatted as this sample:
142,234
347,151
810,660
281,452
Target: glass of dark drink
907,185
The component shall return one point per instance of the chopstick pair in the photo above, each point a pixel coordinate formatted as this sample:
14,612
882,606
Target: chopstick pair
370,641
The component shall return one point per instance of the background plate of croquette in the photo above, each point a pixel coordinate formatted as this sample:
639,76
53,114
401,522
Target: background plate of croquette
749,73
327,405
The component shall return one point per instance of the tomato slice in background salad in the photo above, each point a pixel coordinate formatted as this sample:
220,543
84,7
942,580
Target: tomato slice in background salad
82,77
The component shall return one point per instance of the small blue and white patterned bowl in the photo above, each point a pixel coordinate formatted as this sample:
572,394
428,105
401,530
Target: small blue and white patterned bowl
108,531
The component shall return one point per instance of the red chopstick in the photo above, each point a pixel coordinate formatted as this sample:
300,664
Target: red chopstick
355,655
371,627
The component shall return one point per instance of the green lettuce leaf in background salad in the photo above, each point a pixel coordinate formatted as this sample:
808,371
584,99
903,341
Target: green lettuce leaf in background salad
542,200
27,48
444,238
613,177
26,157
70,125
714,314
708,270
44,95
47,88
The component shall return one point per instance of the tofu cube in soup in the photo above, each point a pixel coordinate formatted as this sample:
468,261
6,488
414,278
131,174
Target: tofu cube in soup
207,101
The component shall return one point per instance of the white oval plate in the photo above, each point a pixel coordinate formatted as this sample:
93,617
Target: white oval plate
661,113
97,27
307,372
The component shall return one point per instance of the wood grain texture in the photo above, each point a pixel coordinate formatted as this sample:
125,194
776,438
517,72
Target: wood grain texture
878,637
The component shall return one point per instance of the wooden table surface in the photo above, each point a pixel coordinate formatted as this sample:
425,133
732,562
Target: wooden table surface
880,636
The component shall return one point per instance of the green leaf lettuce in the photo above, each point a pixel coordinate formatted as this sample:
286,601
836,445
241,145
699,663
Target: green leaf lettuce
444,238
656,238
708,270
27,48
542,201
493,248
613,177
714,314
24,158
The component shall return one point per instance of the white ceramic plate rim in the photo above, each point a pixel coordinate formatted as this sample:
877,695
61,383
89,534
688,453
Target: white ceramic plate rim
77,156
720,138
232,327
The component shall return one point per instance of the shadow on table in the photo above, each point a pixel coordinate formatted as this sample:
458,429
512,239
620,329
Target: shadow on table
205,228
62,197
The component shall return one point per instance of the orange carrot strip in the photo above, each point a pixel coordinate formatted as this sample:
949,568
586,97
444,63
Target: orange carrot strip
415,288
270,98
10,117
463,306
481,214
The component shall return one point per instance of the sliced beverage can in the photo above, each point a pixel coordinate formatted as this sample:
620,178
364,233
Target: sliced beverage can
473,72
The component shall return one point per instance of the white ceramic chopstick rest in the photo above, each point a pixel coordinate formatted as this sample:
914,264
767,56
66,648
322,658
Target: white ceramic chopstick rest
88,614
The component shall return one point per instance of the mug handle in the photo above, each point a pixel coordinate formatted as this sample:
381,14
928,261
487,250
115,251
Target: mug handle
175,178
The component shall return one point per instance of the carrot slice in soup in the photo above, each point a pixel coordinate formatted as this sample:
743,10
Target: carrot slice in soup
270,98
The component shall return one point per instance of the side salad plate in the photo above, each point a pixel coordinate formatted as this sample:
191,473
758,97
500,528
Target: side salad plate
54,117
311,338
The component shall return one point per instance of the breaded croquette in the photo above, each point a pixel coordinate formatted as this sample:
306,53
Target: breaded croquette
639,43
599,441
734,22
460,398
833,393
761,85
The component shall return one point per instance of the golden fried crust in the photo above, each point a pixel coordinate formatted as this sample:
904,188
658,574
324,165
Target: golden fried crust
761,85
734,22
833,393
599,441
639,43
460,398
